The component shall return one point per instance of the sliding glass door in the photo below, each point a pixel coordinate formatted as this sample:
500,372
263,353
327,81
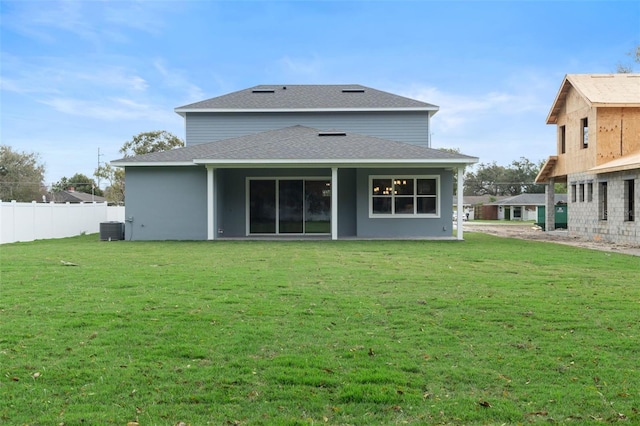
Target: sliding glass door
317,207
262,207
289,206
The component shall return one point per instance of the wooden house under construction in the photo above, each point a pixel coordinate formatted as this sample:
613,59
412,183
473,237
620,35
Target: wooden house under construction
598,156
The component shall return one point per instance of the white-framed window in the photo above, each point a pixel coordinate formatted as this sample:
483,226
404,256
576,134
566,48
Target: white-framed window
404,196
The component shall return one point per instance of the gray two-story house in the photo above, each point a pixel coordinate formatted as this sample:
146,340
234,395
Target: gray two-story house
332,161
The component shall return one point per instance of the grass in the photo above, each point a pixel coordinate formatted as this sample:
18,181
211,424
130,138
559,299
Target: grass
486,331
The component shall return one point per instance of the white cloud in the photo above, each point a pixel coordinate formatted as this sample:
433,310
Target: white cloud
110,109
114,77
499,125
96,22
300,66
52,75
459,109
175,79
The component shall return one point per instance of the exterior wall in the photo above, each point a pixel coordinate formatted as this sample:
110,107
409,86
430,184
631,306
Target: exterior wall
166,203
618,133
584,217
170,203
404,228
347,203
409,127
613,133
575,158
526,212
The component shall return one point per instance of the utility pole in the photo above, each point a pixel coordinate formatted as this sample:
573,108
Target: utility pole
99,155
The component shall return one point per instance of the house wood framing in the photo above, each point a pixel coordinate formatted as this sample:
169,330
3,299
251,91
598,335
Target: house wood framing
597,155
322,161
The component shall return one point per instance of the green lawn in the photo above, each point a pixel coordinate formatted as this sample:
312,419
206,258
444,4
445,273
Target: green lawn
486,331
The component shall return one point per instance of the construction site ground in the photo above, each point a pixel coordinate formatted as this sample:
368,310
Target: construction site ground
528,231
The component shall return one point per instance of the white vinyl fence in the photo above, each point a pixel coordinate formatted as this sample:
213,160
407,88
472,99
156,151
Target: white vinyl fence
40,221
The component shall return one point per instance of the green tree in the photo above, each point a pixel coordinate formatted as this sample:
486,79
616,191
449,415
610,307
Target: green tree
521,175
140,144
79,182
455,173
147,142
114,192
21,175
485,180
492,179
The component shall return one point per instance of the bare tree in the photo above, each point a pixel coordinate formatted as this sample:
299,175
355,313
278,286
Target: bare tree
635,58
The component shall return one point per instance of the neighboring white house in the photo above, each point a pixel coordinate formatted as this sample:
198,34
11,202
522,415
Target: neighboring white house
524,207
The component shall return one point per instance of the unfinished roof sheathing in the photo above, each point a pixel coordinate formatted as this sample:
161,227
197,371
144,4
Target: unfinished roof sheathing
628,162
600,90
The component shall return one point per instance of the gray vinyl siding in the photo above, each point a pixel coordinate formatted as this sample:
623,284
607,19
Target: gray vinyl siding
170,203
166,203
407,126
399,227
347,203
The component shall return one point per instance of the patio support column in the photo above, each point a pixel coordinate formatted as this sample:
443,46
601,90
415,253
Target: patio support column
460,207
211,203
550,205
334,203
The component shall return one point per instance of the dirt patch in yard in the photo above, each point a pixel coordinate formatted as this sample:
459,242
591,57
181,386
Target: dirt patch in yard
531,232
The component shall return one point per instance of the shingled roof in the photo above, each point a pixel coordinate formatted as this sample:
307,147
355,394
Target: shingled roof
297,145
345,97
73,196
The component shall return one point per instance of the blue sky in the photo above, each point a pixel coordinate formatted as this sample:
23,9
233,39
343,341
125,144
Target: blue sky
77,76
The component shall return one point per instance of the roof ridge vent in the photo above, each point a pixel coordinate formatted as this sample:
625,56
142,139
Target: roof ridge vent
352,90
332,133
263,91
